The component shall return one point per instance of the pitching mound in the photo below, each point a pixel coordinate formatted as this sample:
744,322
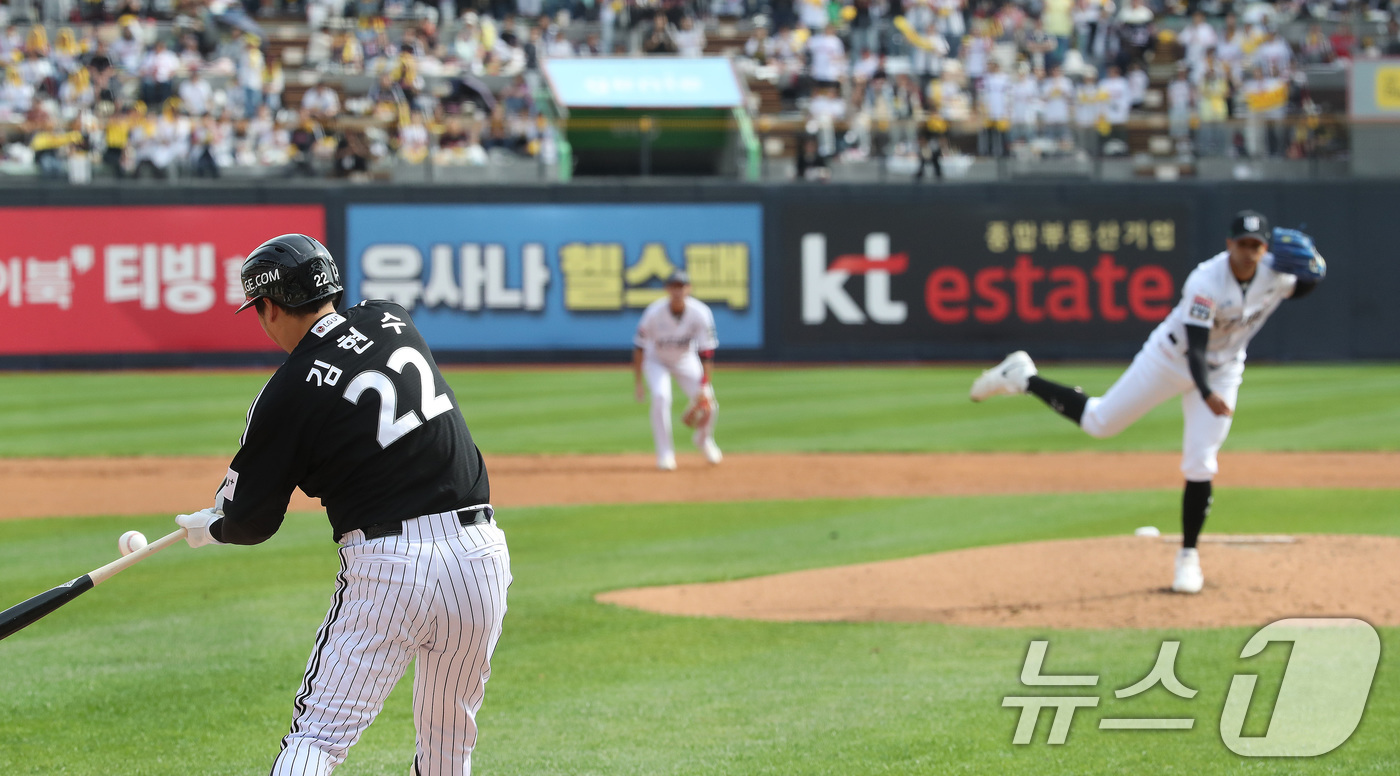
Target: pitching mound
1118,582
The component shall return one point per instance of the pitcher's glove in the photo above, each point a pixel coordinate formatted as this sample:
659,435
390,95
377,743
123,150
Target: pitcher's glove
700,408
1295,254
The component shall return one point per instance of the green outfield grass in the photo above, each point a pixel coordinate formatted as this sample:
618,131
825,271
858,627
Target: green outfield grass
1352,407
187,664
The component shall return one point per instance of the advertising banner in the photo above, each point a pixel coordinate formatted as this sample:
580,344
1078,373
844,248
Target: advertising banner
80,280
555,277
933,279
643,82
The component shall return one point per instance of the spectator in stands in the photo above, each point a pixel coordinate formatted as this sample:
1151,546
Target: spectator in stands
251,74
1056,92
39,72
1104,39
98,58
67,53
947,96
321,102
10,42
1211,64
1317,48
348,54
813,14
994,101
1118,102
1231,49
932,136
414,140
1266,100
908,112
1274,55
1138,82
976,52
866,67
274,84
607,23
352,155
51,144
1136,32
825,110
303,139
951,22
1392,37
811,165
1058,22
1089,104
1179,104
1198,37
466,45
157,71
116,134
1212,109
1025,105
206,138
191,58
262,136
196,95
407,76
1038,45
659,40
828,55
690,38
386,97
127,50
928,47
16,96
77,95
864,35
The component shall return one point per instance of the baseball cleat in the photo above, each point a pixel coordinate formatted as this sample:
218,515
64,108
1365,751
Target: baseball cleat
666,463
711,451
706,446
1005,379
1188,572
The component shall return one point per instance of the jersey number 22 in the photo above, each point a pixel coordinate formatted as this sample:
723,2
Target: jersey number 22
391,428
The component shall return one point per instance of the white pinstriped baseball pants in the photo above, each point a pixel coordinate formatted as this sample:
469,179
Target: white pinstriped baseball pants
688,372
1154,377
436,593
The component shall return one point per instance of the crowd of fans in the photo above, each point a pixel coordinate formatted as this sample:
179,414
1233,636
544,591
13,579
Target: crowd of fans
201,90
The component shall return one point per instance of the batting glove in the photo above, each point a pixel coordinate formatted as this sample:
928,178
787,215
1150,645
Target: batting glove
197,526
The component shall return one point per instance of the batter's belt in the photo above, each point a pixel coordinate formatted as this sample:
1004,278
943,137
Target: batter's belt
468,516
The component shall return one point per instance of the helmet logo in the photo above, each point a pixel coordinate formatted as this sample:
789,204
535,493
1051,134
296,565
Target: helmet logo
1251,223
262,278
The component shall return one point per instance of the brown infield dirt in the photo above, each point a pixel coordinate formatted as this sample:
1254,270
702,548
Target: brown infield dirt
1098,583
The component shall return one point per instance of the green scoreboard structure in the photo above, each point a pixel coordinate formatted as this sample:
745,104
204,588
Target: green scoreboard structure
654,115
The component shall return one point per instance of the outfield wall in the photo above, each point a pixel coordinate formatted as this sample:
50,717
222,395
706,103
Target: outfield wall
147,275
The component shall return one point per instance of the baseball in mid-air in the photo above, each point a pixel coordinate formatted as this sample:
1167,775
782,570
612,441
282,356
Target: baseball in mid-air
131,541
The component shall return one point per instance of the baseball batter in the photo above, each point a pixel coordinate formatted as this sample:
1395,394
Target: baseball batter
360,416
1198,352
676,337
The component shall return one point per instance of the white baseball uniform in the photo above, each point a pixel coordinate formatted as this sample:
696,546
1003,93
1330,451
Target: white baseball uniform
1234,312
671,345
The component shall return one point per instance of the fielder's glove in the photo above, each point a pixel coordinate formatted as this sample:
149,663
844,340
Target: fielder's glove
197,526
700,408
1294,253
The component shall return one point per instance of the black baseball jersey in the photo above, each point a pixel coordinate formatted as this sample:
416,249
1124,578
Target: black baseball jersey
360,417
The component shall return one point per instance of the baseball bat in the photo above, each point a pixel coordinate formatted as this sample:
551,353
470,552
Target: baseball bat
21,615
